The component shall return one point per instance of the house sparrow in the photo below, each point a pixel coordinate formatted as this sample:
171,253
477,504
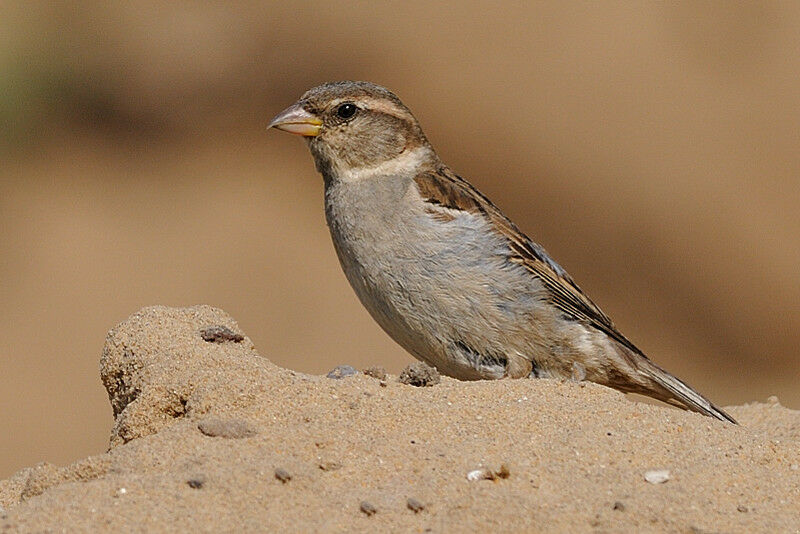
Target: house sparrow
442,270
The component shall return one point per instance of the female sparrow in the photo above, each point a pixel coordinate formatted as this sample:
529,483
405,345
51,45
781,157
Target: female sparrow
442,270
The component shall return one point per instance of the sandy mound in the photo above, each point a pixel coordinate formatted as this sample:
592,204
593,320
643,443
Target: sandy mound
211,436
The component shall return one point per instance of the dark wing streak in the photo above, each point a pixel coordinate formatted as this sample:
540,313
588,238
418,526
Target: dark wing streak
444,188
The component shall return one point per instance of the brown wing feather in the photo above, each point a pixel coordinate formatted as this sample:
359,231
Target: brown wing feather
444,188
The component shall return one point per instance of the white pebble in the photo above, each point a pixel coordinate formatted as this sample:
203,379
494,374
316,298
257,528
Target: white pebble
657,476
480,474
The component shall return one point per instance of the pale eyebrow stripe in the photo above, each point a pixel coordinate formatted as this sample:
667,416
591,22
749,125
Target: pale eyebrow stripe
380,105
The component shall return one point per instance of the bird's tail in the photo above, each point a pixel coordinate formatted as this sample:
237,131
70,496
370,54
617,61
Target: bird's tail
668,388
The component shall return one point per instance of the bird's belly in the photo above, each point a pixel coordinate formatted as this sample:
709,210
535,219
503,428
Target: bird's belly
450,298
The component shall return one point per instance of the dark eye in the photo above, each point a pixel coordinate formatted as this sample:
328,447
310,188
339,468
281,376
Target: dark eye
345,111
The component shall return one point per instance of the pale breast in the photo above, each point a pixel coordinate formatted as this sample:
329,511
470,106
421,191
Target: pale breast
441,287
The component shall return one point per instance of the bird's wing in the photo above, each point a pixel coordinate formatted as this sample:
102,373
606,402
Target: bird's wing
442,187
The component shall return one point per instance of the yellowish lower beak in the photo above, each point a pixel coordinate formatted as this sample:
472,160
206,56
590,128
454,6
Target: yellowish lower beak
297,120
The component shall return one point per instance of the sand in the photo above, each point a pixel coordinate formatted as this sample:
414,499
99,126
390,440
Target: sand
211,436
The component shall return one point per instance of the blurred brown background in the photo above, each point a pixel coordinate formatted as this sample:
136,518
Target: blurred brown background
653,150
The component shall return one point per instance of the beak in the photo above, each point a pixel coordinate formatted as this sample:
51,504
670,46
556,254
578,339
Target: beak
297,120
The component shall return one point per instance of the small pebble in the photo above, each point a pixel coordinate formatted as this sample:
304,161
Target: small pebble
329,466
742,508
657,476
619,506
420,374
220,334
487,474
503,472
480,474
196,482
282,475
217,427
375,371
368,508
414,505
341,371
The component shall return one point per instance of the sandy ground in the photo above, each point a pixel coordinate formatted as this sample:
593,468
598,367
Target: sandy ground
211,436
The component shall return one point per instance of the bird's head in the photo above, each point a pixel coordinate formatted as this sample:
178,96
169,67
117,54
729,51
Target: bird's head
354,126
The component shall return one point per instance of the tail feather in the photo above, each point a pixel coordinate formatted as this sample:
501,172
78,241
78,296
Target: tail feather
649,379
683,393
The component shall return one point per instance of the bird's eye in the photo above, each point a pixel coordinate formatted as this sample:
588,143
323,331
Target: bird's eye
345,111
